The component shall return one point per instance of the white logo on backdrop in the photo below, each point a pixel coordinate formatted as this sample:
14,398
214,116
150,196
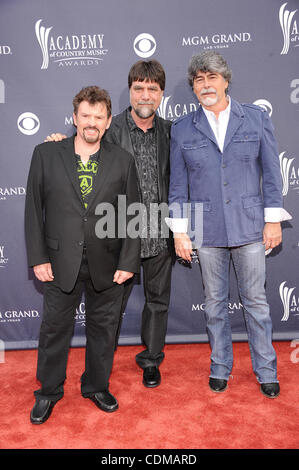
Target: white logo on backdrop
288,26
294,96
70,50
28,123
264,104
145,45
285,165
2,91
285,296
3,259
168,110
217,40
42,35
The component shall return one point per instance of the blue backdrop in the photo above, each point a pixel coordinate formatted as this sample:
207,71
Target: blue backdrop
49,50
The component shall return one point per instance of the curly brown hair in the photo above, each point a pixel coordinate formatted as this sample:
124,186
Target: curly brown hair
93,95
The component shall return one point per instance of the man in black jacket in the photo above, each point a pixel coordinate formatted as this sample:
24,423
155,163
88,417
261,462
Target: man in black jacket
146,136
67,182
141,132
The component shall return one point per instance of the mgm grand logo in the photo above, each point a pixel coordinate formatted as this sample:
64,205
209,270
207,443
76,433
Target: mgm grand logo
18,315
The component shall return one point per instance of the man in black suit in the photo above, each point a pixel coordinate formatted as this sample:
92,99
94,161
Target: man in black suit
140,131
67,183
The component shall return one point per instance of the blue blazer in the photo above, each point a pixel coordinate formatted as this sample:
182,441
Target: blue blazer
233,186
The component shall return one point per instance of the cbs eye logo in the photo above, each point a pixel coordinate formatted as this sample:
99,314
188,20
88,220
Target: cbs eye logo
145,45
28,123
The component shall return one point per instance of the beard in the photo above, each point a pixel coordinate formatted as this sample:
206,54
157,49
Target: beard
144,112
90,139
208,100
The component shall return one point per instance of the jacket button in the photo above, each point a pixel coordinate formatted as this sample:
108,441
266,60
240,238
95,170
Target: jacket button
85,219
81,243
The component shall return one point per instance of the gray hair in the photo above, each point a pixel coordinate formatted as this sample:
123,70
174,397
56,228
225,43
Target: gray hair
208,61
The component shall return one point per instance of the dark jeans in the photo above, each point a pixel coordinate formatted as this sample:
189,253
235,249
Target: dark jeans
103,311
157,285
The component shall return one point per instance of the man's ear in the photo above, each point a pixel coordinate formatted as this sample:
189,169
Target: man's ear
74,119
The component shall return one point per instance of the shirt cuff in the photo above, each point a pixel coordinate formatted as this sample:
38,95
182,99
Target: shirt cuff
177,225
276,214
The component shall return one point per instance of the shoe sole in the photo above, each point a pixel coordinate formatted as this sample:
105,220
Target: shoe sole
269,396
147,385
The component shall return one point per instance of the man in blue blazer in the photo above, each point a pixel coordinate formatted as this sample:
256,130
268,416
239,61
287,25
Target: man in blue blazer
224,159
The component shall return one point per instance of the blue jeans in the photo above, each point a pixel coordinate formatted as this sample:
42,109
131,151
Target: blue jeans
249,263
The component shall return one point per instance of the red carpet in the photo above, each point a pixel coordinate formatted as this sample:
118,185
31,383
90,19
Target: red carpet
182,413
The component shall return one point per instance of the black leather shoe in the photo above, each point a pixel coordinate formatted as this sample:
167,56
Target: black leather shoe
270,390
41,411
151,376
105,401
217,385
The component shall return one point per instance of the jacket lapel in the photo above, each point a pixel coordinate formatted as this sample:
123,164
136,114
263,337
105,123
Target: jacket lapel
162,155
202,124
235,121
125,139
69,160
104,168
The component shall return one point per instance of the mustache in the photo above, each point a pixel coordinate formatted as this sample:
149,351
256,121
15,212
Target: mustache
146,102
205,91
90,128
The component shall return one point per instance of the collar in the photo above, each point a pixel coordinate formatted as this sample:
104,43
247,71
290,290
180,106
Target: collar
224,113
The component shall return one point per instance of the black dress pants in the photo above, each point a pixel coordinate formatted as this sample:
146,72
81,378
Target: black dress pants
157,285
103,311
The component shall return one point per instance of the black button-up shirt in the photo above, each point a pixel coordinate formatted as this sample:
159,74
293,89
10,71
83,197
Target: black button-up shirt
145,153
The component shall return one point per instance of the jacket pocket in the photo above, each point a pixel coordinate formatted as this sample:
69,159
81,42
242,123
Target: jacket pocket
254,210
52,243
246,145
196,153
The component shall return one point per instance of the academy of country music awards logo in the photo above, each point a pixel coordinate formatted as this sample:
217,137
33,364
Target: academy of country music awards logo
80,317
3,259
289,300
289,27
172,111
69,50
289,172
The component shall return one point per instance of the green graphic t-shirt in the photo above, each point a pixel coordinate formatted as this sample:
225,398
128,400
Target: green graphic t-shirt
86,174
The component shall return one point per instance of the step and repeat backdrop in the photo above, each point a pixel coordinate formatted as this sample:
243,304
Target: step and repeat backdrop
49,50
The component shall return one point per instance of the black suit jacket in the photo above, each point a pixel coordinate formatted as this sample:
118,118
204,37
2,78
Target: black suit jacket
118,133
57,223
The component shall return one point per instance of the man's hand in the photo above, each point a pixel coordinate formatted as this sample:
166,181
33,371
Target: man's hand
272,235
55,137
121,276
43,272
183,245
